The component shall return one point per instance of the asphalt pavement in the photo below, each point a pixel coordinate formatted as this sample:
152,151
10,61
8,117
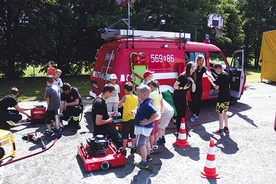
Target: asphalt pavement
246,155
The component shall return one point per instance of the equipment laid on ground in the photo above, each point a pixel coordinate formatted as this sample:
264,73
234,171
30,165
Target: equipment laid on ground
35,138
38,114
30,136
100,153
6,138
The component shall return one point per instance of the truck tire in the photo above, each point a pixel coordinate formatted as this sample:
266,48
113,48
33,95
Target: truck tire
105,165
233,100
2,152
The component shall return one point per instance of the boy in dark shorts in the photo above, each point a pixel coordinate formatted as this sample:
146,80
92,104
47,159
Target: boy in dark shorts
53,103
145,116
223,85
129,102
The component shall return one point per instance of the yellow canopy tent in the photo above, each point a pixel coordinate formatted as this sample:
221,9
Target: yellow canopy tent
268,56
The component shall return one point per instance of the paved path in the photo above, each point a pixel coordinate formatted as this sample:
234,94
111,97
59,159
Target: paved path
247,155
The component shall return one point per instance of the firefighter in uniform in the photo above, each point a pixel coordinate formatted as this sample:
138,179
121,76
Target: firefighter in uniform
71,105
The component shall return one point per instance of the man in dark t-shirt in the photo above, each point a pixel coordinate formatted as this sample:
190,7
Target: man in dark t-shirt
223,85
71,105
101,119
9,117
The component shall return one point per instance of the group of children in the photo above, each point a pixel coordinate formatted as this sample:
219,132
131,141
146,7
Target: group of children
145,116
63,102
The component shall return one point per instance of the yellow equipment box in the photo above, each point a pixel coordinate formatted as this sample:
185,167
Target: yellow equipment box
6,138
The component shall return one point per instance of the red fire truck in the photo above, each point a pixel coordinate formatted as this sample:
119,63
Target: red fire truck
128,53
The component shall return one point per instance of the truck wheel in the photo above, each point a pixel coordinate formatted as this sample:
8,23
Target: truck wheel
105,165
2,152
233,101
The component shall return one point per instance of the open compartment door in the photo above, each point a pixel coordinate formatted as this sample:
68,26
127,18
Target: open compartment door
237,74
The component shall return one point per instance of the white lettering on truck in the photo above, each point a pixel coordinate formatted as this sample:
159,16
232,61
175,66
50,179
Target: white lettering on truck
155,58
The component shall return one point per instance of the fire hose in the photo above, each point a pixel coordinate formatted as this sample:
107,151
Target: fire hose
30,155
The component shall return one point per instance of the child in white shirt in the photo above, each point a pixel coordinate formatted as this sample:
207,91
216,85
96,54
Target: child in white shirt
113,101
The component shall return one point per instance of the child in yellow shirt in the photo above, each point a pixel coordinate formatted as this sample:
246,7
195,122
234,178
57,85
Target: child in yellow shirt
130,102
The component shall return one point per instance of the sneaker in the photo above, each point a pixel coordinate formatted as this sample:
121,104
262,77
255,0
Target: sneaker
226,130
141,166
193,118
29,120
151,150
161,141
124,152
149,158
133,150
155,146
48,132
218,132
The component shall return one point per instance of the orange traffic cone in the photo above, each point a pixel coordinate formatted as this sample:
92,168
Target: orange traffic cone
181,139
209,170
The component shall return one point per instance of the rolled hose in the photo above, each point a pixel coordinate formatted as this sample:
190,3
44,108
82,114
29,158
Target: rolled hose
30,155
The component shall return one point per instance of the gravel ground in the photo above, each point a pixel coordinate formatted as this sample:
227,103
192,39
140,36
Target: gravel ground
247,155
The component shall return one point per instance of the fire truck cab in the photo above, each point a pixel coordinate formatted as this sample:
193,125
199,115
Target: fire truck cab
128,53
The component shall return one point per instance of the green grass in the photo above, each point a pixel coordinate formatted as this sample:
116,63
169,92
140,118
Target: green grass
34,72
33,88
252,75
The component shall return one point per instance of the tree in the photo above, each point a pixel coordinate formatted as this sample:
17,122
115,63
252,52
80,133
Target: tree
232,34
32,32
258,16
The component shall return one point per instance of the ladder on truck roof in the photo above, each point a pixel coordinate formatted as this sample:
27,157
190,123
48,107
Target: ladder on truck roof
109,56
121,33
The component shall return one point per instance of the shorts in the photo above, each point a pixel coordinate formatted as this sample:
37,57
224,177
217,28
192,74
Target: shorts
222,107
155,127
50,116
128,129
165,119
141,140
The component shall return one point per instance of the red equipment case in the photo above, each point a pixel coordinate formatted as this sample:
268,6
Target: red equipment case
112,158
38,113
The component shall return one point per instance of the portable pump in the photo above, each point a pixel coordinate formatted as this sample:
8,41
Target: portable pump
98,145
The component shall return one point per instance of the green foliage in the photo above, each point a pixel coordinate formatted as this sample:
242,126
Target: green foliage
36,31
258,16
252,75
